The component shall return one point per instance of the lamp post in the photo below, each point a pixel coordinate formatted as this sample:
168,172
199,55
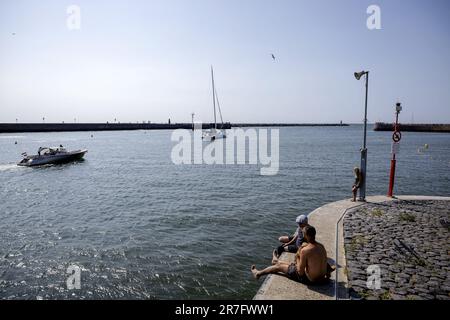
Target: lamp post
192,114
362,189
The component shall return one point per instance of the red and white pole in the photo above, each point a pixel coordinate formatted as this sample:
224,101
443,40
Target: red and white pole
396,137
392,177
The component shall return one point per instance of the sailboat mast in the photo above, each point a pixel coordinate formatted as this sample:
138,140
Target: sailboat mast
214,97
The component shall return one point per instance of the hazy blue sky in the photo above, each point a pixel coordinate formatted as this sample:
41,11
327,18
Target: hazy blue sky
150,60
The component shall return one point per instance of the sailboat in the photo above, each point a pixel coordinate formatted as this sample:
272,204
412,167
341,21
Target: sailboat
213,133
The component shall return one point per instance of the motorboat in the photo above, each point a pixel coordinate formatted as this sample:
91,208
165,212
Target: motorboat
54,155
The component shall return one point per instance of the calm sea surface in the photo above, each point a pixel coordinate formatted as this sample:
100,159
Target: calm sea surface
141,227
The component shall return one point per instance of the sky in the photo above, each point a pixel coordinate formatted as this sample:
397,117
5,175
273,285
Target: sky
150,60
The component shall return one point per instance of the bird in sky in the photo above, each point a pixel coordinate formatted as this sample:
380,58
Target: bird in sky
273,57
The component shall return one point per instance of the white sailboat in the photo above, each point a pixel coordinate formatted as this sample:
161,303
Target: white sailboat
214,133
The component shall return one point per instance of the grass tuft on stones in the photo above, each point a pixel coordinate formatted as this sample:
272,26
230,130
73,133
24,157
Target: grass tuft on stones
356,242
377,213
407,217
386,296
364,294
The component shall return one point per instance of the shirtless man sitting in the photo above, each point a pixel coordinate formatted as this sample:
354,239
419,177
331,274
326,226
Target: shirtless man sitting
310,262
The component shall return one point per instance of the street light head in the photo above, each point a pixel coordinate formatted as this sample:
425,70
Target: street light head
358,75
398,107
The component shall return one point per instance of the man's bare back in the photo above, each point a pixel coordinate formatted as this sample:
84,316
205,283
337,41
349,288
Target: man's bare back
313,260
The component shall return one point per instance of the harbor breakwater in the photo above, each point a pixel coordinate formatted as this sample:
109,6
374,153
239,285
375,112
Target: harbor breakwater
289,125
60,127
424,127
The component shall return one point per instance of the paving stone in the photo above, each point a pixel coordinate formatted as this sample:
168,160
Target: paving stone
388,284
403,276
426,296
445,286
414,297
421,290
359,283
434,284
394,268
410,271
398,297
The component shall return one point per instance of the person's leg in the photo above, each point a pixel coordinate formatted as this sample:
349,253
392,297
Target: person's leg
285,239
279,267
280,250
274,257
354,190
284,263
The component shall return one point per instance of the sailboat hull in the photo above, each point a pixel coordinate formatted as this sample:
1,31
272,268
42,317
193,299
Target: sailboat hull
212,136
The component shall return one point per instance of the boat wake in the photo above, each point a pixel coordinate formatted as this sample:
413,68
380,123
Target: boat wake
11,137
8,167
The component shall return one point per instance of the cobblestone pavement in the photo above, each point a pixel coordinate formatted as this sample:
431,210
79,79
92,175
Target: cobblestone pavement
409,242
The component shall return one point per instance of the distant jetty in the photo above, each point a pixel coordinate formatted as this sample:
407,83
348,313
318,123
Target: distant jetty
383,126
60,127
289,125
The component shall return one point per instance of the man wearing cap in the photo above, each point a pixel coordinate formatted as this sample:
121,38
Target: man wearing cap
310,264
292,243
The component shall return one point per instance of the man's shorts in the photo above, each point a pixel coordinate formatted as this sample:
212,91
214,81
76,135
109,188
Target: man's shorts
293,275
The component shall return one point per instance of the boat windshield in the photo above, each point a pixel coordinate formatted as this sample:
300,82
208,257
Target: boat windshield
50,151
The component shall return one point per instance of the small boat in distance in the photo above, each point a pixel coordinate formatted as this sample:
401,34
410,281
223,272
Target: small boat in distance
56,155
213,133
